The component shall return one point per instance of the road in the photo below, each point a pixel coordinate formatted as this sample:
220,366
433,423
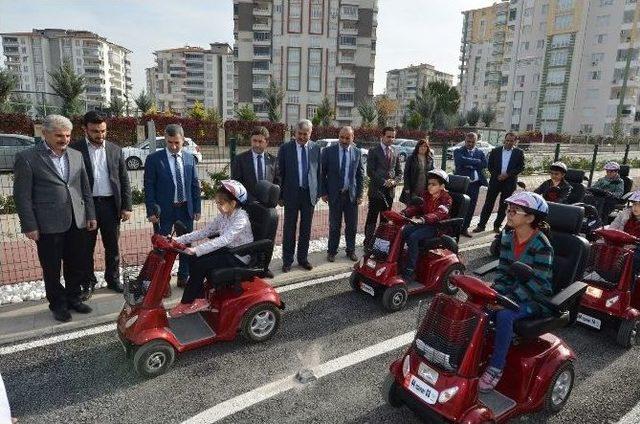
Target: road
88,380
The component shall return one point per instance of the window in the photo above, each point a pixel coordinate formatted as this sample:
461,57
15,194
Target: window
528,11
602,20
558,57
517,96
556,76
606,3
592,94
597,58
316,16
551,111
294,23
345,97
553,94
520,81
261,51
586,128
349,11
564,5
595,75
512,14
346,83
544,9
293,114
524,45
311,111
261,36
315,70
560,40
563,22
601,38
542,26
627,17
293,68
526,29
588,112
347,40
540,44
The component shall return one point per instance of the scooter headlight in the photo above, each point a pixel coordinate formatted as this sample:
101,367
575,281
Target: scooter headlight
447,394
406,366
131,321
380,271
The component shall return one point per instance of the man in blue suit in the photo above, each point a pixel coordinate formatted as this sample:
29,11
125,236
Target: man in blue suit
470,162
341,186
171,181
299,164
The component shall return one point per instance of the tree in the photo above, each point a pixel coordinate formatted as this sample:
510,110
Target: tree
367,111
198,111
446,97
274,95
116,107
69,86
386,108
461,120
212,115
246,113
324,113
424,106
144,102
487,116
8,83
20,104
473,116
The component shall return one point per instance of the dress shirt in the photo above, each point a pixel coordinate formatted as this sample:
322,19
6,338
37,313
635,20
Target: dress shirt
172,165
98,157
345,182
506,157
60,162
299,152
474,177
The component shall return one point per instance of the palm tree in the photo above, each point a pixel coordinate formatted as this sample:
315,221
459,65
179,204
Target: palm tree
20,104
425,106
487,116
8,83
144,102
274,95
69,86
447,98
246,113
367,111
324,113
473,116
116,107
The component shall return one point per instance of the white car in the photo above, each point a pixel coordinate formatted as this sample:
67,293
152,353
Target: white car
482,145
135,156
326,142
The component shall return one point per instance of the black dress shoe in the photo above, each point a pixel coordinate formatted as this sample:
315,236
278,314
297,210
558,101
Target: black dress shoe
497,229
81,308
306,265
478,230
268,274
61,315
466,233
331,258
86,292
286,268
116,287
352,256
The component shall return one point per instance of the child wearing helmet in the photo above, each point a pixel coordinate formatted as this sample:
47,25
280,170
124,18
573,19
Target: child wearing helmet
556,189
611,182
435,207
230,228
527,243
628,220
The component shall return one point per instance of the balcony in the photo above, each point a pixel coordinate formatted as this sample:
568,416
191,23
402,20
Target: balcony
345,103
262,9
264,68
347,46
349,13
262,24
348,30
346,88
10,41
11,51
94,53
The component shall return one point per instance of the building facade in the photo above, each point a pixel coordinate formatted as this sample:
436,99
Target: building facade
311,49
553,65
33,55
403,84
185,75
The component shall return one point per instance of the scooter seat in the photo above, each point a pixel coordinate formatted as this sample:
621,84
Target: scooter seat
530,328
233,275
441,242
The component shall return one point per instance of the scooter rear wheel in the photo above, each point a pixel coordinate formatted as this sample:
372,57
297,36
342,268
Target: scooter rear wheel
260,322
389,393
628,333
354,281
560,388
455,269
153,358
394,298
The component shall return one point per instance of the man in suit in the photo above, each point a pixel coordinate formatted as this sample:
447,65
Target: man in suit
299,167
111,191
470,162
171,182
54,203
505,163
383,170
341,178
255,165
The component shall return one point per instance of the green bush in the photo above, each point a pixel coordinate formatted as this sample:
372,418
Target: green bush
7,205
137,196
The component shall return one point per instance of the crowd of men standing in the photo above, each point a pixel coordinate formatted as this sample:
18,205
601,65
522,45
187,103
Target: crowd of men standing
65,196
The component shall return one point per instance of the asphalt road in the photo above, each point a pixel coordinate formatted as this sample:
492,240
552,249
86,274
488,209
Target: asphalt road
88,380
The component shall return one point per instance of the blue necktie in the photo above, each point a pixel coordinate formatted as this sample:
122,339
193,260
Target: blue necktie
305,168
343,169
179,188
260,171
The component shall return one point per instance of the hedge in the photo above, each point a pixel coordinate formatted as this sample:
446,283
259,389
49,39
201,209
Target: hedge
241,131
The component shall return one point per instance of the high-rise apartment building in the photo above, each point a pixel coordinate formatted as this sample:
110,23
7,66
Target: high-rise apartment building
105,65
185,75
403,84
553,65
312,49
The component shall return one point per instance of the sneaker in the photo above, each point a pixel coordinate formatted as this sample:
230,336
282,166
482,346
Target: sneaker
189,308
489,379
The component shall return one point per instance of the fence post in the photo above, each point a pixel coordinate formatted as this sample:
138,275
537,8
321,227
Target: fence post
557,155
151,135
444,155
593,164
626,154
232,149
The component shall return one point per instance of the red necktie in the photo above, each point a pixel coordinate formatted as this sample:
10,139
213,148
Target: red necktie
388,156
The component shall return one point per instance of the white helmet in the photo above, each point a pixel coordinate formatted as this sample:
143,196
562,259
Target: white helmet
439,173
236,189
633,196
612,166
530,202
558,166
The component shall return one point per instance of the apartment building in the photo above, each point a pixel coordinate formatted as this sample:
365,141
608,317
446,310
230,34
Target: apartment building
185,75
403,84
312,49
553,65
33,55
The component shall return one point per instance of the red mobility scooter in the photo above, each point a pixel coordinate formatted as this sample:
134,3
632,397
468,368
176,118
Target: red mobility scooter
612,295
240,300
438,375
378,274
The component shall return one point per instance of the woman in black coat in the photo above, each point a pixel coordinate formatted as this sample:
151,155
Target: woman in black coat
415,171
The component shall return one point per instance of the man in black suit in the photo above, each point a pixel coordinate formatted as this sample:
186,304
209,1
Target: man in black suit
255,164
383,170
111,191
505,163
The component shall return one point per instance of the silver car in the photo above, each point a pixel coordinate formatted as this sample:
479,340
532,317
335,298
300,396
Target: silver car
135,156
326,142
10,145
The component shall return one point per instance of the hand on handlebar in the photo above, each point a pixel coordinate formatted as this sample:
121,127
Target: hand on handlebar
417,220
189,251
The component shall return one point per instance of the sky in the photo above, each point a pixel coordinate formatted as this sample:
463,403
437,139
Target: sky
409,31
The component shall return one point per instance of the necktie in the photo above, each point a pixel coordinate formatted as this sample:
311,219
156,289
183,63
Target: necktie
260,171
343,169
388,156
179,188
305,168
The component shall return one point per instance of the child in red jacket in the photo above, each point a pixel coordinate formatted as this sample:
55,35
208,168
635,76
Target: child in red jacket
436,206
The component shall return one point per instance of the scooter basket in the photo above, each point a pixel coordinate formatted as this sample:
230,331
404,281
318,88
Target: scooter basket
137,279
445,332
384,236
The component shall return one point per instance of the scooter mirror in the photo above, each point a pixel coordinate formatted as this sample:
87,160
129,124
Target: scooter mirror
179,228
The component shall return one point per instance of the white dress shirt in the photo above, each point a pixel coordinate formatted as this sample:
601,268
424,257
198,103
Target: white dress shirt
172,165
299,152
98,157
506,157
60,162
345,183
255,164
475,172
233,230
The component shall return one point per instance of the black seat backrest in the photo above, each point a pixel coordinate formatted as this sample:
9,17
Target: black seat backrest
571,251
624,174
575,178
458,186
263,216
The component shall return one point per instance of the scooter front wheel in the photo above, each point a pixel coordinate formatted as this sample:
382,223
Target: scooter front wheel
394,298
560,388
153,358
628,333
260,322
354,281
389,391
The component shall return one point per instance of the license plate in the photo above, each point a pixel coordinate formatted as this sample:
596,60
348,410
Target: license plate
367,289
429,374
594,292
371,263
588,320
422,390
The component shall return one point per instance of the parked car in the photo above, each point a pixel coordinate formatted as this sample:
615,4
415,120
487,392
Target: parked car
482,145
10,145
404,147
135,156
326,142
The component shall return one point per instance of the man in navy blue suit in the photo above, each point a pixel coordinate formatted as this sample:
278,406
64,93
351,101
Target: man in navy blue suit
171,181
299,165
341,186
470,162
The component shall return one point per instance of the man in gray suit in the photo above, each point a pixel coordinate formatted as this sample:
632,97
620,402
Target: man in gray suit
54,203
109,182
299,166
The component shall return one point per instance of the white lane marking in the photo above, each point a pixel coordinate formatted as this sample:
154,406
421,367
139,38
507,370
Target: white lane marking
262,393
631,417
303,284
6,350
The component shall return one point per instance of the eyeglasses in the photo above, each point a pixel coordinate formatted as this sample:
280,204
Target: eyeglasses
514,211
433,184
